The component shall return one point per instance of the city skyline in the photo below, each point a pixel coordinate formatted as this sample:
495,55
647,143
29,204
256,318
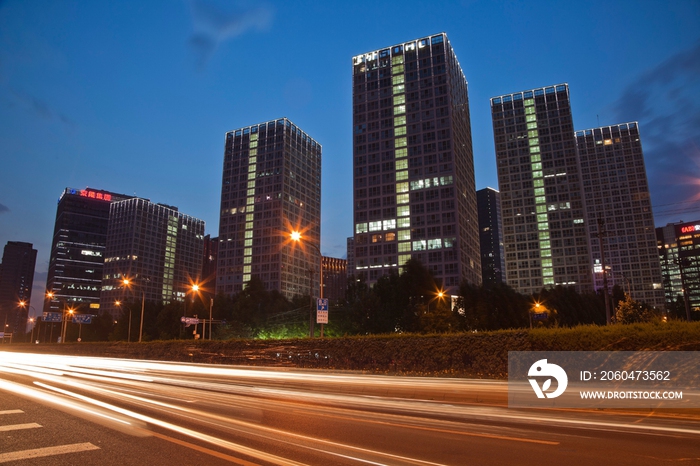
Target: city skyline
93,92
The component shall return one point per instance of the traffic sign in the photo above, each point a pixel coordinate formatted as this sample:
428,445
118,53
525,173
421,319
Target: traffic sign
322,304
321,317
82,319
189,321
52,317
540,316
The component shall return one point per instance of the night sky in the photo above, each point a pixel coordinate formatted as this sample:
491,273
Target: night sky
135,96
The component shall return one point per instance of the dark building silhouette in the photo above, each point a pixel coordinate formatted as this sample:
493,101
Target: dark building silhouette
351,255
335,278
488,201
16,280
211,252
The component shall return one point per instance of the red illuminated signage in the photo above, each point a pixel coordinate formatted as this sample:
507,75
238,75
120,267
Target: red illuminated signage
690,228
95,195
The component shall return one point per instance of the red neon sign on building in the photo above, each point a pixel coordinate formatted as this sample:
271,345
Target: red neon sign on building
95,195
690,228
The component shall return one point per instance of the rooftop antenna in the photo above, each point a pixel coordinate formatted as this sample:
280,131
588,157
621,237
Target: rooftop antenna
598,117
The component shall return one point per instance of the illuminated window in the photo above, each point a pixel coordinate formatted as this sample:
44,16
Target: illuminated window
397,79
403,258
531,118
400,131
402,211
375,226
400,142
390,236
399,89
399,99
399,120
419,245
405,247
389,224
404,235
400,153
546,253
434,243
402,175
535,149
361,228
539,191
401,187
397,69
535,158
397,60
534,141
402,198
446,180
402,164
542,226
404,222
399,110
532,125
532,134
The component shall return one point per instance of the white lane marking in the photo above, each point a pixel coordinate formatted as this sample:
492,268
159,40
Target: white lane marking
31,425
11,411
48,451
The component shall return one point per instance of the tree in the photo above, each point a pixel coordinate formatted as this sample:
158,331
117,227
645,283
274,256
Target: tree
630,311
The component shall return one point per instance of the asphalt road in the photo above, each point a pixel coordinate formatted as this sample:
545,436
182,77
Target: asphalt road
60,410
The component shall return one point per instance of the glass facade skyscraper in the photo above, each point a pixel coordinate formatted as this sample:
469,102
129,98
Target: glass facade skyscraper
544,217
618,205
156,247
78,248
414,188
271,185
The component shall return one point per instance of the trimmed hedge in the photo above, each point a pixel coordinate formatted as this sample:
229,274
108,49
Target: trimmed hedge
480,355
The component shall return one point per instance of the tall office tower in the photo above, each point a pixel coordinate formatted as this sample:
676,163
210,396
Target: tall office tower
16,280
673,271
414,188
77,249
335,278
544,230
493,263
211,252
351,256
158,248
618,206
271,186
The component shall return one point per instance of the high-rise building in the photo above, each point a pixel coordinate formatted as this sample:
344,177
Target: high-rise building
543,211
271,186
351,256
679,254
158,248
493,263
16,280
618,207
77,249
414,188
335,278
211,252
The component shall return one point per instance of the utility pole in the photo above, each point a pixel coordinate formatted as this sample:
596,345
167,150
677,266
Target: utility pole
601,234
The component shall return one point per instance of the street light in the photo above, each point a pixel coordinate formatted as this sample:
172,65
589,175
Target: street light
32,320
128,334
65,323
296,236
127,283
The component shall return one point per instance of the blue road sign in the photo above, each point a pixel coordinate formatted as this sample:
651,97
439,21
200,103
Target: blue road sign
322,304
52,317
82,319
189,321
540,316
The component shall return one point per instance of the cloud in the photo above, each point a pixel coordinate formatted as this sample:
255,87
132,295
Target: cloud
40,108
215,22
664,101
4,208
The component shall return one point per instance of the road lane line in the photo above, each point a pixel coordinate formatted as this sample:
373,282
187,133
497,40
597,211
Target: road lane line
31,425
12,411
48,451
208,451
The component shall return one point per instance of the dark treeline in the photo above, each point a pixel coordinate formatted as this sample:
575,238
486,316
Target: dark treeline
397,303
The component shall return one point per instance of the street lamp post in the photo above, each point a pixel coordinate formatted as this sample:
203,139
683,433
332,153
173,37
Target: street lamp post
65,323
127,283
296,236
31,319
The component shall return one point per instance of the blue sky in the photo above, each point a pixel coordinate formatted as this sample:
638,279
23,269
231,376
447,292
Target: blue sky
135,97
